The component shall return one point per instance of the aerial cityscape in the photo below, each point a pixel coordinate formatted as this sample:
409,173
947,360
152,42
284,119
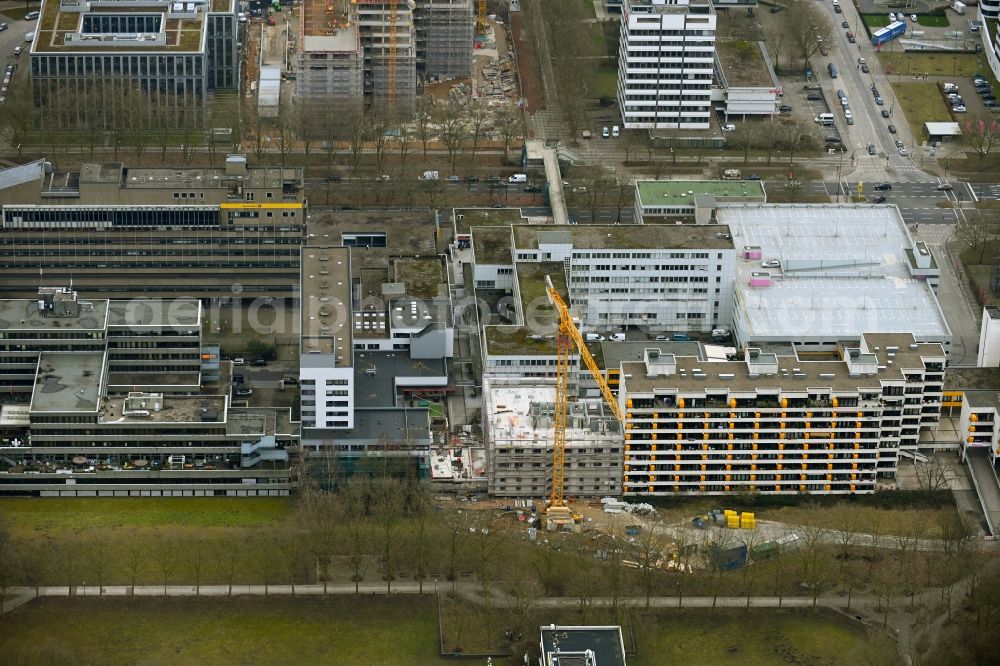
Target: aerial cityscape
524,332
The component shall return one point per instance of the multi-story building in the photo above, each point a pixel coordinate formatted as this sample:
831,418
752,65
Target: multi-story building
202,232
819,275
775,421
107,398
989,338
747,84
666,56
380,50
131,64
654,277
518,430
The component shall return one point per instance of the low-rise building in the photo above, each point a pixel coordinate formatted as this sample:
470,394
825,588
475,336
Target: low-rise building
667,200
746,79
777,421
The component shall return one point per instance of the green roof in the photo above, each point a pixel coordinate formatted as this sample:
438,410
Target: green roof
682,192
625,236
491,245
531,280
466,218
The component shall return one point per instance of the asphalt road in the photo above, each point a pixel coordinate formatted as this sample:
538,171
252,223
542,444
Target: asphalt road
13,37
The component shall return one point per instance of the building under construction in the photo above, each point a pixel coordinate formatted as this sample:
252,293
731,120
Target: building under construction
377,51
519,429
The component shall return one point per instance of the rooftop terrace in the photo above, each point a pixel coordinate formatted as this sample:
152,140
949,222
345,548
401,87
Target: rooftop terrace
67,382
466,218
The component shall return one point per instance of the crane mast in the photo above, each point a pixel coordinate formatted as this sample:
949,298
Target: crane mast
568,337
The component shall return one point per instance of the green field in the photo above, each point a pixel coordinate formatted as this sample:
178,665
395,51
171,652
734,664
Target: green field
55,517
756,638
604,81
350,631
921,103
277,630
933,20
934,64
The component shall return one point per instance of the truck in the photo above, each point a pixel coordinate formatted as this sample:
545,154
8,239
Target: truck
958,7
732,174
889,32
430,175
832,69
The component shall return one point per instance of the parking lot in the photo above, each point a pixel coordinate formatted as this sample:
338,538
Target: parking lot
14,65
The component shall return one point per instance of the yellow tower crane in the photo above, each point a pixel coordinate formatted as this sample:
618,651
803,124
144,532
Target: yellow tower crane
481,17
568,337
393,20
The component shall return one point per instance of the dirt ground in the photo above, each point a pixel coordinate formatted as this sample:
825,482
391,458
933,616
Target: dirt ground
527,63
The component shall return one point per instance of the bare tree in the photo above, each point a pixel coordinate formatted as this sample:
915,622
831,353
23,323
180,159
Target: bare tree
425,112
807,28
166,558
8,563
981,134
777,41
99,565
454,126
977,228
194,556
134,558
456,524
597,194
646,549
379,131
404,141
353,498
358,128
478,114
508,124
743,138
387,511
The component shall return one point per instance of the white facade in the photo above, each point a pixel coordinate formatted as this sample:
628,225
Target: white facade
665,64
989,338
327,393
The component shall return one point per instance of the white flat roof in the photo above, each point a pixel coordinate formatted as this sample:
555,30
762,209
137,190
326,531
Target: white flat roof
844,272
515,418
943,129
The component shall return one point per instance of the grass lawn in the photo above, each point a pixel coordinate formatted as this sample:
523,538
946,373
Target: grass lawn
875,20
277,630
934,64
751,638
933,21
921,103
604,81
980,274
56,516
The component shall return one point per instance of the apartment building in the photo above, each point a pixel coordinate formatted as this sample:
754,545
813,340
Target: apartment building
665,63
106,397
330,76
777,421
518,430
131,64
232,232
821,274
444,33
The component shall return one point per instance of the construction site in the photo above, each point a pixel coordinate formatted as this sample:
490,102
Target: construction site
343,56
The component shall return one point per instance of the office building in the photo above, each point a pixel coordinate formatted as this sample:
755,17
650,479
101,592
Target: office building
697,200
777,420
989,338
108,398
666,57
232,232
131,64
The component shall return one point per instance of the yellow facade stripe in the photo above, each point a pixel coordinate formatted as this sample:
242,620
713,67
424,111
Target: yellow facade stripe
249,205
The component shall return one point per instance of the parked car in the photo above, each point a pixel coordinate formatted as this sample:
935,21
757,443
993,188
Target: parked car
31,16
259,362
752,177
290,380
770,263
958,109
498,205
991,104
879,101
680,337
892,129
17,51
454,179
879,199
913,17
605,132
902,151
883,186
899,144
239,360
784,108
841,94
532,189
3,26
814,97
243,391
579,189
615,131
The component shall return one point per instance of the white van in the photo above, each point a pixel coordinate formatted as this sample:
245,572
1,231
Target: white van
518,178
593,337
825,119
29,37
617,337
